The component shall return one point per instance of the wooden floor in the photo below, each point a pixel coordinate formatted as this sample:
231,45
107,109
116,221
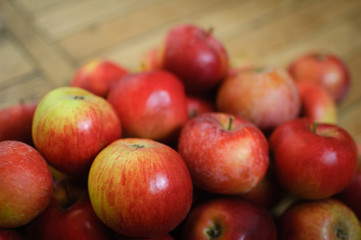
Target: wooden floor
43,42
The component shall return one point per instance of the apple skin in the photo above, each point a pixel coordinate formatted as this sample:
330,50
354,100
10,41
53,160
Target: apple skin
195,56
150,104
266,96
16,121
223,160
308,158
197,105
317,103
351,195
71,125
26,184
130,178
164,237
75,222
10,234
151,60
325,69
229,219
319,219
98,76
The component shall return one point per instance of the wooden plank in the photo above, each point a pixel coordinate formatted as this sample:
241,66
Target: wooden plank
27,88
91,41
50,59
35,5
14,62
84,14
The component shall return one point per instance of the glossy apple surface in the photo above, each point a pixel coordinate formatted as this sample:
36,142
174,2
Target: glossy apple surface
195,56
98,76
325,69
225,154
322,219
16,121
26,184
313,161
140,187
229,219
316,103
71,125
150,104
75,222
266,96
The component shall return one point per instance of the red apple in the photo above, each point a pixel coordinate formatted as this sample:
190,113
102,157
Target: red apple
195,56
351,195
313,161
98,76
229,219
10,234
16,121
197,105
140,187
26,184
225,154
265,96
320,219
71,125
164,237
74,222
150,104
325,69
317,104
151,60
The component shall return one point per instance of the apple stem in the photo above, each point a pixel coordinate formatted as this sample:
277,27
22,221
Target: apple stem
209,32
314,127
231,118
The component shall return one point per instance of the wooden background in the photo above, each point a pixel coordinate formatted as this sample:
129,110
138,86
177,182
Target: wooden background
43,42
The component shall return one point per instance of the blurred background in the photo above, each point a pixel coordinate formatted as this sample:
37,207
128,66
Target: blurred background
43,42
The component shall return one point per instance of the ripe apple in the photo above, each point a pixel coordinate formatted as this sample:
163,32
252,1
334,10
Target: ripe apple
225,154
319,219
10,234
164,237
150,104
26,184
197,105
229,219
71,125
151,60
266,96
16,121
313,161
195,56
98,76
140,187
76,221
351,195
325,69
317,104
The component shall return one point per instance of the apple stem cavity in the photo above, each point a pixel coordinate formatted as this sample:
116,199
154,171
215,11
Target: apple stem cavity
137,146
79,97
231,118
341,233
214,231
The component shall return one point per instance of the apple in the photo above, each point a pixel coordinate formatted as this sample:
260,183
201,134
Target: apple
224,153
150,104
98,76
229,218
140,187
10,234
351,195
71,125
76,221
266,96
317,104
26,184
197,105
319,219
325,69
313,161
163,237
151,60
16,121
196,56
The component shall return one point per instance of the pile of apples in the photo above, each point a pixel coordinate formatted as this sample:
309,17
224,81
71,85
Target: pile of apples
188,147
